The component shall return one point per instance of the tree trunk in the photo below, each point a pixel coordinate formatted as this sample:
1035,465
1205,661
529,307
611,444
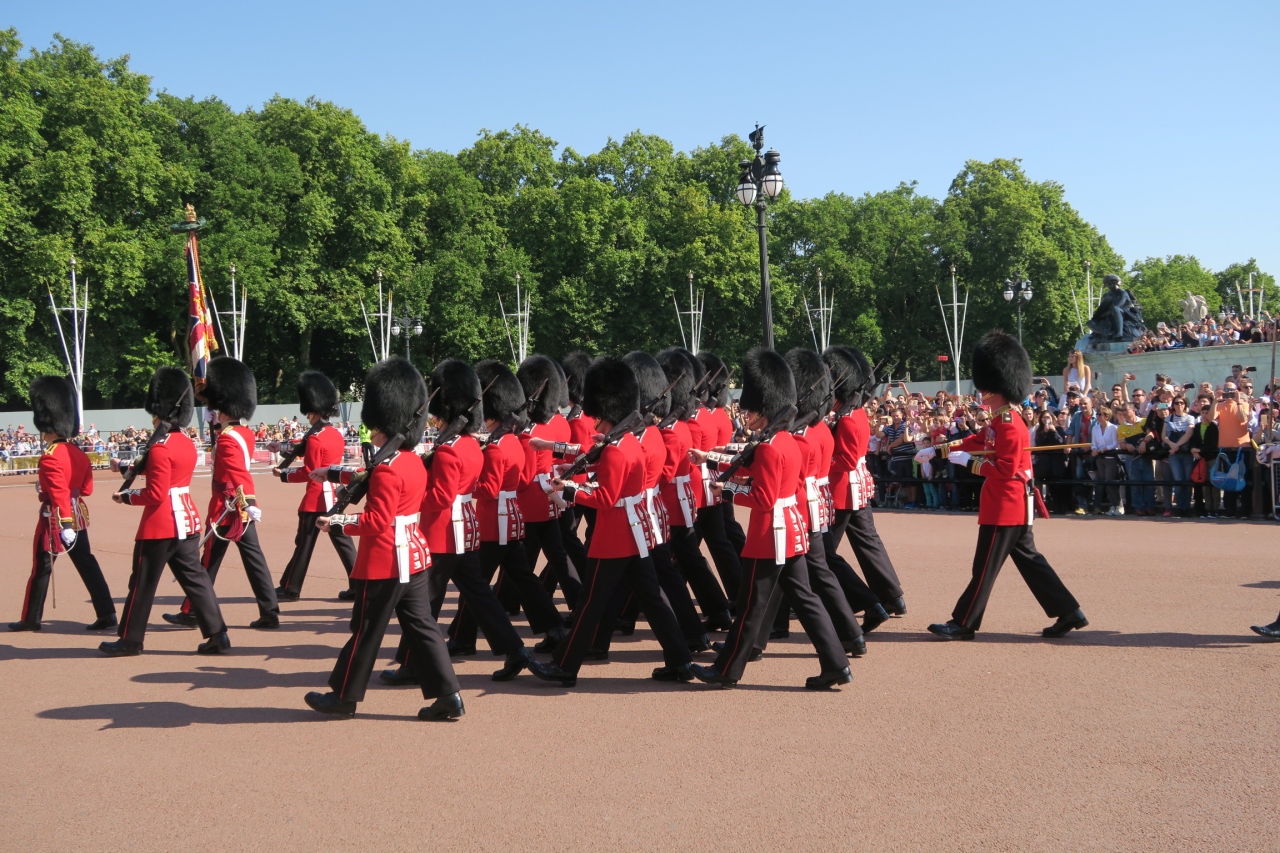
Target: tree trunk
304,348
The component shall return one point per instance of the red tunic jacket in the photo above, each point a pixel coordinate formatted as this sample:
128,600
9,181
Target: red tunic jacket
582,432
395,492
325,448
678,441
503,471
653,454
534,504
455,469
166,498
807,497
853,435
825,444
1005,500
774,472
619,474
231,459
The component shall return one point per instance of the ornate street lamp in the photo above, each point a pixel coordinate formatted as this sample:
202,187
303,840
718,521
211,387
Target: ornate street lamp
759,182
411,326
1017,288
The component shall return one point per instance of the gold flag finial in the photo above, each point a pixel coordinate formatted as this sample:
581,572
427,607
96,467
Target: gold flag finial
191,212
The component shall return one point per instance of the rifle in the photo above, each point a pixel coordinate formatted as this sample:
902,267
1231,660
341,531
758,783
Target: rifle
354,491
448,434
804,398
140,461
646,409
513,420
592,455
705,382
780,422
286,458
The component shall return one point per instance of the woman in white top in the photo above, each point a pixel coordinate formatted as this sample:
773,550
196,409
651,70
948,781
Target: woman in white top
1103,443
1077,373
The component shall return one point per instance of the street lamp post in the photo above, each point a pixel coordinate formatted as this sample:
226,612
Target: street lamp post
1017,288
760,181
411,326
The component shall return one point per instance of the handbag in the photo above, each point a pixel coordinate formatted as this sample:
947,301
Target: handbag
1200,472
1228,475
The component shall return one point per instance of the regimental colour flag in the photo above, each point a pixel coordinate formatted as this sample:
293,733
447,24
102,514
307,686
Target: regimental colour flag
201,341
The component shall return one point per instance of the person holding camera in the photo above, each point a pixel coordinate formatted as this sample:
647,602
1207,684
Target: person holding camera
1232,415
1204,448
1177,437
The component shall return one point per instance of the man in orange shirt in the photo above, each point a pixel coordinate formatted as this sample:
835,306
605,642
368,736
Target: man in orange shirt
1232,415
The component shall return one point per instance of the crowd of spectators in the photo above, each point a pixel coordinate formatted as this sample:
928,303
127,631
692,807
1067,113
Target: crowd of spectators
1137,451
1224,330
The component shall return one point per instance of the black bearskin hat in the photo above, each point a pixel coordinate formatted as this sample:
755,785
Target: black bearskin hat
808,368
505,393
564,402
533,371
53,406
767,383
1001,366
610,390
230,388
847,375
459,394
316,395
676,361
718,389
651,380
394,394
170,397
575,366
869,379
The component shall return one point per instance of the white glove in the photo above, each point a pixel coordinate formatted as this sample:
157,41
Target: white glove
255,514
958,457
68,536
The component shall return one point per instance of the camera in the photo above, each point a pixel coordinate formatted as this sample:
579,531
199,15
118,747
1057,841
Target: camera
1251,369
1188,386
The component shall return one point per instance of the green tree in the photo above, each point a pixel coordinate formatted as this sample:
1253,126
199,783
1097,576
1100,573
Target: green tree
1159,284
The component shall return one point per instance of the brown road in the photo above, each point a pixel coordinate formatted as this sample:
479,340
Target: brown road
1153,729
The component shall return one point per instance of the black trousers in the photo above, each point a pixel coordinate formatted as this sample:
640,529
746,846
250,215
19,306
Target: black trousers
573,546
375,601
696,571
42,570
546,537
710,527
598,596
255,566
758,583
860,528
823,582
530,592
732,529
995,543
857,592
182,556
674,589
304,543
474,594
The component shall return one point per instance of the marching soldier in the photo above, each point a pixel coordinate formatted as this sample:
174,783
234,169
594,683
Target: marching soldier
777,535
449,521
581,432
710,428
169,531
622,538
1002,374
851,489
64,479
540,505
391,575
321,447
501,524
815,444
684,493
232,395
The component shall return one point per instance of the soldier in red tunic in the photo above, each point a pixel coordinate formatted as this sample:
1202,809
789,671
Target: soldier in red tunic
711,427
169,532
620,544
777,533
232,395
390,575
450,525
581,432
64,479
501,523
1002,374
850,485
322,447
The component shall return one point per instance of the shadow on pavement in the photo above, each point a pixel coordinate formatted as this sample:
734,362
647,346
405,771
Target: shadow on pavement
1262,585
235,678
176,715
1087,637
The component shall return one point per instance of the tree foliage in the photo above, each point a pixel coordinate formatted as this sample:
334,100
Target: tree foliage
309,205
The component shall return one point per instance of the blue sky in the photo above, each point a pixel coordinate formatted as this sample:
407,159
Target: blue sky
1161,119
